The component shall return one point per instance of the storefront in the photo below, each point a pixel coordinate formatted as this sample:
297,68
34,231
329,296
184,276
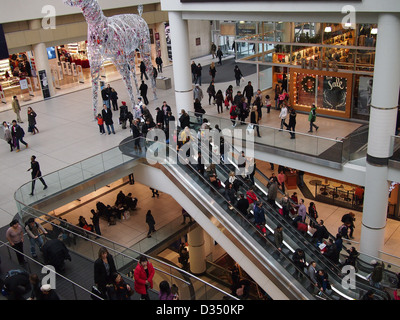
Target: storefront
18,76
330,65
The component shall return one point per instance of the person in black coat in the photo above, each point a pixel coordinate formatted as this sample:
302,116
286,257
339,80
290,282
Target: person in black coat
136,134
299,260
123,114
17,285
151,222
184,119
238,75
160,117
114,99
104,268
55,253
292,123
18,134
248,92
143,92
159,63
107,117
321,232
143,71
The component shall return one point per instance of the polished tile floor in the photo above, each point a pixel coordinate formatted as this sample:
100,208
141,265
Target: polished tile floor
69,134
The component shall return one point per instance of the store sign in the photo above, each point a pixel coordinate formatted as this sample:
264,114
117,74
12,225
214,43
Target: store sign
319,64
44,84
334,93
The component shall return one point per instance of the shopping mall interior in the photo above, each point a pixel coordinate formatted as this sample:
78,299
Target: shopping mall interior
349,163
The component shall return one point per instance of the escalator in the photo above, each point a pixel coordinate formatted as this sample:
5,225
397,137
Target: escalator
297,239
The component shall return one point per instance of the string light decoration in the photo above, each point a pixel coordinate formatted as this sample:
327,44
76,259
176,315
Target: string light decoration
115,38
308,84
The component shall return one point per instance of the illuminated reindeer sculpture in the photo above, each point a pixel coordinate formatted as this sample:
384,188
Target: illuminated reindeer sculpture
115,38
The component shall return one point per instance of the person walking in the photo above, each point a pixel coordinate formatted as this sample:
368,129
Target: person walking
277,94
104,268
193,68
18,135
143,71
292,123
212,71
35,232
282,115
248,92
228,96
197,93
114,99
213,50
312,117
36,174
143,275
32,121
7,135
151,222
16,108
198,74
219,56
107,116
15,236
219,100
254,119
211,92
238,75
143,92
159,63
96,221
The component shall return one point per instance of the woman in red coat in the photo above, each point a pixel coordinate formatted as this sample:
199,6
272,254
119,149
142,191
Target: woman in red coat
233,115
143,275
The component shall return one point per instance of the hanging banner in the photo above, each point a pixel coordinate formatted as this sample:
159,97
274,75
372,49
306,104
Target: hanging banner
44,84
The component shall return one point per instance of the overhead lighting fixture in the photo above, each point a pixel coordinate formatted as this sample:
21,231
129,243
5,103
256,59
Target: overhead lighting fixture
241,21
347,25
374,30
328,29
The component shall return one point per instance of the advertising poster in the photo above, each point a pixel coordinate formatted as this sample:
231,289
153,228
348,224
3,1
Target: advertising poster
334,93
364,95
44,84
168,38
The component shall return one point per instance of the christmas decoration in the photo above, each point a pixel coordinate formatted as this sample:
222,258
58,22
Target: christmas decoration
115,38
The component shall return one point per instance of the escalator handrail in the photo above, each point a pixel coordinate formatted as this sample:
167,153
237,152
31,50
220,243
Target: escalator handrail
326,260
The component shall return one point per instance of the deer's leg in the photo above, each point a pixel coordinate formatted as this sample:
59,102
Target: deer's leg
132,66
145,51
124,70
95,75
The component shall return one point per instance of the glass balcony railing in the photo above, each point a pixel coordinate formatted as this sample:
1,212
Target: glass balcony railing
81,241
306,144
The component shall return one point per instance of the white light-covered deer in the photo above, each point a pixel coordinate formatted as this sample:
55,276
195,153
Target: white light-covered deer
115,38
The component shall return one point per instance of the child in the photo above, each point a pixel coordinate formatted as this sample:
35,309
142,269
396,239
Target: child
100,122
268,103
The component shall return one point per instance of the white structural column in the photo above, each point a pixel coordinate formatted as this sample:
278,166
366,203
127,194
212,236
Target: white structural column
181,61
197,257
382,125
41,58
